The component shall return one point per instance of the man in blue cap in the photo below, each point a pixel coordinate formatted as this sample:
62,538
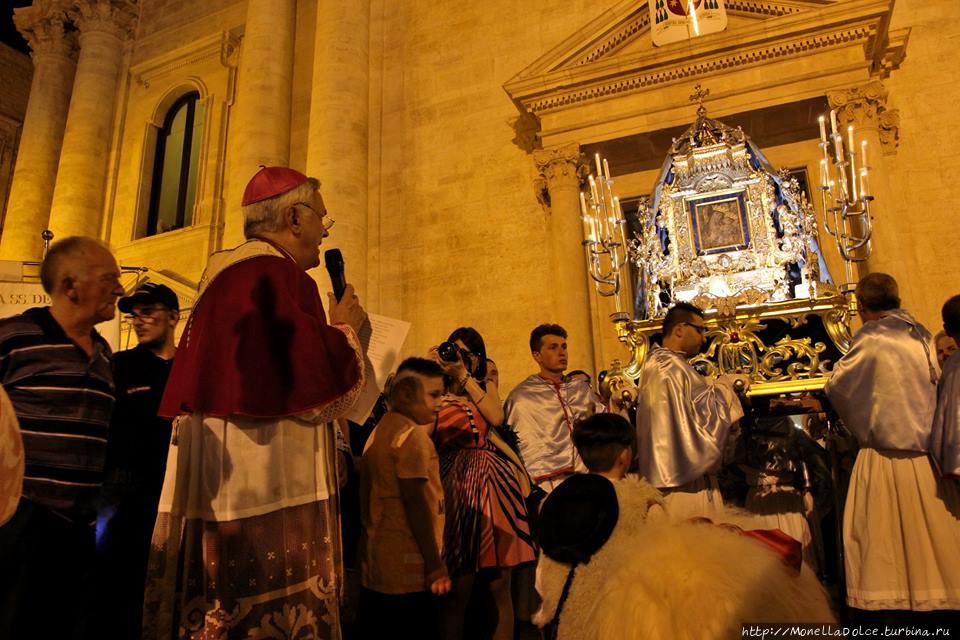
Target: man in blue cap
136,455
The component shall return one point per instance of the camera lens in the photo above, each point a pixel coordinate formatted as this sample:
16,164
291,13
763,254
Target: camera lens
448,352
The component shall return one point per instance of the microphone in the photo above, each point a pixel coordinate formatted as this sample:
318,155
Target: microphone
334,261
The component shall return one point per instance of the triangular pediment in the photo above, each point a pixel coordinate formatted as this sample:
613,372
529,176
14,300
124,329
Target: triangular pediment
627,24
614,53
642,40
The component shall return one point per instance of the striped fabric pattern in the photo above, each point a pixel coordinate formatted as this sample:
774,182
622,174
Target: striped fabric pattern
486,522
63,399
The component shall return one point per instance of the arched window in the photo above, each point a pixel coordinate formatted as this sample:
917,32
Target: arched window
174,185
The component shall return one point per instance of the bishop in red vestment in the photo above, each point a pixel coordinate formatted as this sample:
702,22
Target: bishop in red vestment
246,543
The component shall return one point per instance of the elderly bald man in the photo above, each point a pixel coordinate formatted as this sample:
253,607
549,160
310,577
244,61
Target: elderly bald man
58,372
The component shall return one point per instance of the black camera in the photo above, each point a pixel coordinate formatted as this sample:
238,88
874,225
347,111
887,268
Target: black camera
448,352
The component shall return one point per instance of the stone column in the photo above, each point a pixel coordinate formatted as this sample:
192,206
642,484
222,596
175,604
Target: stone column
259,131
865,107
337,137
80,190
54,55
559,171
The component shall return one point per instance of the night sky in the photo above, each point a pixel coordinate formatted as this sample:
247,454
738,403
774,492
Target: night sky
8,32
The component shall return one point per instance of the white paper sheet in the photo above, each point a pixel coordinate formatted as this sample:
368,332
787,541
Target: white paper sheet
382,338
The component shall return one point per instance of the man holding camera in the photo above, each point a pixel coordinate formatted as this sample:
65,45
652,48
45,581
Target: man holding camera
247,535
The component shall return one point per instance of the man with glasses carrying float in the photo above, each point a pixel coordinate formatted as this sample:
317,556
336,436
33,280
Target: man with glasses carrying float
247,539
136,455
683,419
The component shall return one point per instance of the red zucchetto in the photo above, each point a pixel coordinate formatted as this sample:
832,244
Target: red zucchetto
270,182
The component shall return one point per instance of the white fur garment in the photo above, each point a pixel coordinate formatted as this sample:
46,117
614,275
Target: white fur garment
656,579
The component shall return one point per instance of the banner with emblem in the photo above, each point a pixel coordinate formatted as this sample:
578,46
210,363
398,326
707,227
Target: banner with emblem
675,20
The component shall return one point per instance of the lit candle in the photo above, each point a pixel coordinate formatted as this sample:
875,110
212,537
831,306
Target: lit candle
603,220
838,147
851,148
597,157
590,215
844,185
833,121
692,12
863,154
863,183
823,128
584,217
618,216
853,170
593,189
823,175
606,169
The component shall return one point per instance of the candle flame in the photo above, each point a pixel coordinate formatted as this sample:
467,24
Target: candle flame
692,10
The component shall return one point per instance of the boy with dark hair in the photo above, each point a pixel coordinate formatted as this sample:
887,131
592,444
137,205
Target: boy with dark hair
543,409
541,331
401,503
606,443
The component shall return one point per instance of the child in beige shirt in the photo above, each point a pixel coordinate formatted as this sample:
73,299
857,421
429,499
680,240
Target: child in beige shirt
401,506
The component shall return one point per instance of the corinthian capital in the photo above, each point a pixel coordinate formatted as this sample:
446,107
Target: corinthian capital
115,17
42,26
866,106
859,105
558,162
557,167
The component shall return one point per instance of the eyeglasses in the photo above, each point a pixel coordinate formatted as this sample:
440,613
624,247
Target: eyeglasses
699,328
326,221
144,315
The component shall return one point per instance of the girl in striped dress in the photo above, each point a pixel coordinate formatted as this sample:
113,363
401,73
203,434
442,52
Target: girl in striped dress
486,532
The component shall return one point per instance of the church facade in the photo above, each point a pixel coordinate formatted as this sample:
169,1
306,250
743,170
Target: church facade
449,137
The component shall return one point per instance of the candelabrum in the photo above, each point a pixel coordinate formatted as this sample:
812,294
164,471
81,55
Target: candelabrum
844,193
604,232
